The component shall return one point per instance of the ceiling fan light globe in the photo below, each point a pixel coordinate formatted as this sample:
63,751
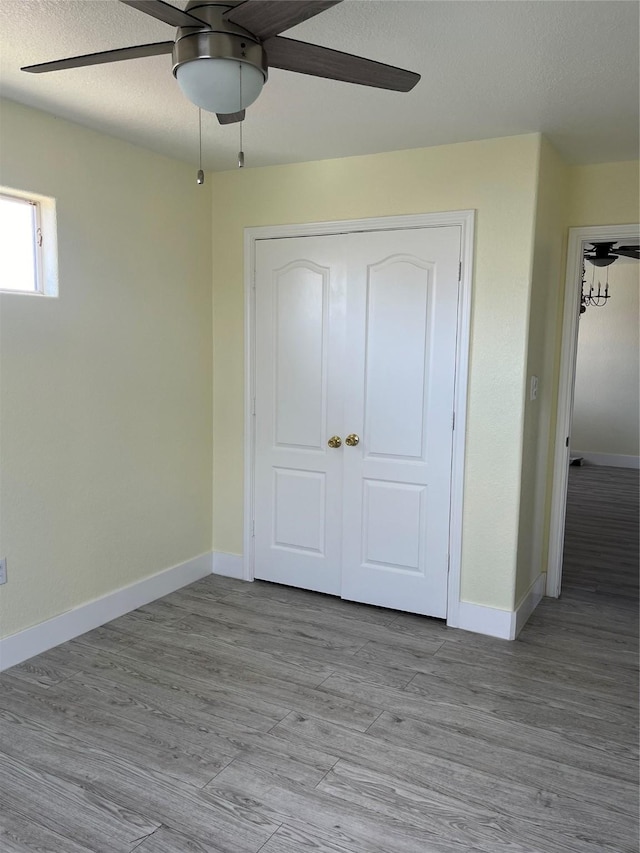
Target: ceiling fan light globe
214,84
602,262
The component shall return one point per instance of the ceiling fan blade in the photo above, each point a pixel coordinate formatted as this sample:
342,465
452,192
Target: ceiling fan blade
135,52
319,61
230,118
266,18
165,12
629,252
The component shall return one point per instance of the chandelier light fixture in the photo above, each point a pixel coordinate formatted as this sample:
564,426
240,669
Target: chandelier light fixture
594,298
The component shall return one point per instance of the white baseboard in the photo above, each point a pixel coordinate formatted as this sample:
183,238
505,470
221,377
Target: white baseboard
229,565
484,620
530,601
16,648
504,624
33,641
610,460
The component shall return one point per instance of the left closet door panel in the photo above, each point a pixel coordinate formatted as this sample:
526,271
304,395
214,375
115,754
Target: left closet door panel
300,305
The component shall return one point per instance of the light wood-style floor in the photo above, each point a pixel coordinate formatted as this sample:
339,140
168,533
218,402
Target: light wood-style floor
250,717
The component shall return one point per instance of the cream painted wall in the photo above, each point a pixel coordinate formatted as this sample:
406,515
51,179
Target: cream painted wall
105,392
607,398
604,194
543,347
495,177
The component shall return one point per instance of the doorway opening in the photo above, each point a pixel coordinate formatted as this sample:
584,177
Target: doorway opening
578,396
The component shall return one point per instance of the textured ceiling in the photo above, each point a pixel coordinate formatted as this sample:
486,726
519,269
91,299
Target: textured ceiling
568,69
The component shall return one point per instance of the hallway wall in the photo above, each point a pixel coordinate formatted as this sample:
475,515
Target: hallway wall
607,398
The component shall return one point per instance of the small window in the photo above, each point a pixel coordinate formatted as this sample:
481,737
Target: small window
27,265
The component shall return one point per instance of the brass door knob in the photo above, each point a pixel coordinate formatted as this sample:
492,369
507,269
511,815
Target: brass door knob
352,439
334,441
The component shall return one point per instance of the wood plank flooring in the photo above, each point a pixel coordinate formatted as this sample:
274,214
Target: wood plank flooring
237,718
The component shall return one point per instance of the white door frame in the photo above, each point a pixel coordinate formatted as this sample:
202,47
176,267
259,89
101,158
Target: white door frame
466,220
566,386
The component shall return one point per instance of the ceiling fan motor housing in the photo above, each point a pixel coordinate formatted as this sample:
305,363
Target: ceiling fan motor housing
602,254
218,39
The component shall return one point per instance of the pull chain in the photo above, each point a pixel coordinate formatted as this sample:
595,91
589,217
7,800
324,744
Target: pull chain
200,177
240,152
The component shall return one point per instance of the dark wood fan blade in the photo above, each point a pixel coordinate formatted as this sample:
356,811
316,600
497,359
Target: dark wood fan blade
165,12
319,61
136,52
629,252
266,18
230,118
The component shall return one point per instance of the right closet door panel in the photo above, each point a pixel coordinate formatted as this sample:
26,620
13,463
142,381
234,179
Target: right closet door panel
401,321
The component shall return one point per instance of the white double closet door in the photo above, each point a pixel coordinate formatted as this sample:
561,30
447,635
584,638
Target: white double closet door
356,336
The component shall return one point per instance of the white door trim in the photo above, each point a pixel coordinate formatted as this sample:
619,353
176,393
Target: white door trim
566,385
466,220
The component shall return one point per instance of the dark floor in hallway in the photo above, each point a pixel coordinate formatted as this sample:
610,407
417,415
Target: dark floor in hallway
250,717
601,538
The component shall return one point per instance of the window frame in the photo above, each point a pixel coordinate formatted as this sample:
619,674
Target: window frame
45,253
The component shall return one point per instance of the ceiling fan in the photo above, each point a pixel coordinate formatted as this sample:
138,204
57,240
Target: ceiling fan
223,50
604,254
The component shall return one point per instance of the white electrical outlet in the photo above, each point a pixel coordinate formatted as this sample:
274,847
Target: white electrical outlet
3,570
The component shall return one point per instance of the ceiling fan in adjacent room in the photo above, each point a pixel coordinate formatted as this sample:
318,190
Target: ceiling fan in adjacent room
223,50
602,255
